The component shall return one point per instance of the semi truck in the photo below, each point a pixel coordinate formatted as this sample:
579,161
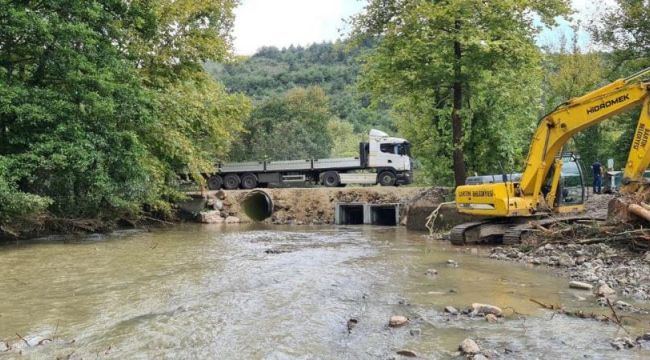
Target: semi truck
383,160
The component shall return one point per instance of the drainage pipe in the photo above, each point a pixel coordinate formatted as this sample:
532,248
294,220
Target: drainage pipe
257,205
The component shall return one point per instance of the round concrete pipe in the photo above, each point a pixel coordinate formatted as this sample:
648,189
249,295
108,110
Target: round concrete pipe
257,205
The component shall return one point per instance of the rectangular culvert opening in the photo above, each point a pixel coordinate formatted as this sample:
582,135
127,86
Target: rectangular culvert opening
385,215
350,214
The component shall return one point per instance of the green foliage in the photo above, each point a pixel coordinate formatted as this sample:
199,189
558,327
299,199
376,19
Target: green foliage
626,30
570,72
101,101
345,141
291,126
471,63
332,67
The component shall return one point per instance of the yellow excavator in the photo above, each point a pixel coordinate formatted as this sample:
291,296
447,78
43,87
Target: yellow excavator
505,208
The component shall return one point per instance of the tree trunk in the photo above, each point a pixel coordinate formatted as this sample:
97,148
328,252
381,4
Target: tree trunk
456,120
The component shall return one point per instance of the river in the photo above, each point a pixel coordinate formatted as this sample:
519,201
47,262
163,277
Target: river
269,292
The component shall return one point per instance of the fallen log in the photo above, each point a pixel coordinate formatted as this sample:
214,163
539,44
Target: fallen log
639,211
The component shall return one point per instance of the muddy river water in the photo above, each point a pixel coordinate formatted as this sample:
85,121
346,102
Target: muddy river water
262,292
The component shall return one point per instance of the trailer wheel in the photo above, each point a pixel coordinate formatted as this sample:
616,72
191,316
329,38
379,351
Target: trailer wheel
231,181
248,181
215,182
331,179
387,178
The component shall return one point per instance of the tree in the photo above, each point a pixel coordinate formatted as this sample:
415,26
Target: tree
101,101
345,141
626,30
287,127
571,72
331,66
433,54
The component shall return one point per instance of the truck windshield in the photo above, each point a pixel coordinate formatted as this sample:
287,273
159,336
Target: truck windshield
404,149
398,149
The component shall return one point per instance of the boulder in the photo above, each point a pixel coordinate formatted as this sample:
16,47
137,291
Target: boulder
491,318
604,290
210,217
452,263
220,194
232,220
397,321
431,272
565,260
484,309
407,353
469,347
580,285
451,310
623,343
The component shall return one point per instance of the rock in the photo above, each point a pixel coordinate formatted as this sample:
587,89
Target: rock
451,310
623,343
644,337
352,323
580,285
232,220
646,258
622,304
565,260
469,347
491,318
220,194
479,357
415,332
484,309
604,290
579,298
431,272
4,347
397,321
210,217
407,353
452,263
581,260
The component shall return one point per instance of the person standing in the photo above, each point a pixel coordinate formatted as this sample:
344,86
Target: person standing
597,169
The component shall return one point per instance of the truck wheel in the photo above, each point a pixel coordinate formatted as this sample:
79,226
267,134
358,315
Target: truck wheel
386,178
231,181
331,179
248,181
215,182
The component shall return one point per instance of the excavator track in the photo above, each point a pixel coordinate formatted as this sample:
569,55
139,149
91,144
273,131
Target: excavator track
511,232
477,231
457,233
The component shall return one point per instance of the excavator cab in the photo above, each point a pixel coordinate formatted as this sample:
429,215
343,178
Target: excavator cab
570,193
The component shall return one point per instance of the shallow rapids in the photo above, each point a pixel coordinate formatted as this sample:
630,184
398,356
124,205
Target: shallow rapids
263,292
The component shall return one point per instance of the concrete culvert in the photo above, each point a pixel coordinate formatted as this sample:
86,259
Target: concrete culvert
257,205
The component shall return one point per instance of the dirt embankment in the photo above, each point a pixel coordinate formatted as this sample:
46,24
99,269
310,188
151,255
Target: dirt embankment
315,206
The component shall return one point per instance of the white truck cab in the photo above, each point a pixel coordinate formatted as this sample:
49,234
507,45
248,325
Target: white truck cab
388,152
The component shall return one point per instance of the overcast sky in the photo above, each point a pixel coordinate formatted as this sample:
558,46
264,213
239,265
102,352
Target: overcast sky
282,23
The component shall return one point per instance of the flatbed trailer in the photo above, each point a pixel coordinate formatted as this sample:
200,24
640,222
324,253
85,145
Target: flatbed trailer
382,160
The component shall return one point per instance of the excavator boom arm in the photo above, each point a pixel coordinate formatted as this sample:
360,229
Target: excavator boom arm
557,128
